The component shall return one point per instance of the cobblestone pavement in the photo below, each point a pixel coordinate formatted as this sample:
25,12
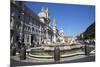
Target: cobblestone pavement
37,61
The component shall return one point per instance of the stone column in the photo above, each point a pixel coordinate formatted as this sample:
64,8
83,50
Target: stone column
11,40
30,34
30,39
22,29
12,22
40,35
25,39
11,28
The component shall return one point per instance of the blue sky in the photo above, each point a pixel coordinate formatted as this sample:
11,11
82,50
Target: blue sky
74,19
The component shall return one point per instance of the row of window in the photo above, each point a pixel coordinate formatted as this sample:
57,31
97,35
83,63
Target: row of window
25,18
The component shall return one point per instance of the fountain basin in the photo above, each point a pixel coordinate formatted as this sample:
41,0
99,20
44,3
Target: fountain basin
48,51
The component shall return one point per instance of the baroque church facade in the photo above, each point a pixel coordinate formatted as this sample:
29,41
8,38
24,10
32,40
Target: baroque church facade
30,28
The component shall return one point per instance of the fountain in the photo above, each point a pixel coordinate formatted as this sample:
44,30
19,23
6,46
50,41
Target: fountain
47,50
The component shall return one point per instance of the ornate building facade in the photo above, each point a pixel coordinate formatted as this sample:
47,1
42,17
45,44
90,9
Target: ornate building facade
29,27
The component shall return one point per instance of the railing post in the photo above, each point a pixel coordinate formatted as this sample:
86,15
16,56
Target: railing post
56,53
